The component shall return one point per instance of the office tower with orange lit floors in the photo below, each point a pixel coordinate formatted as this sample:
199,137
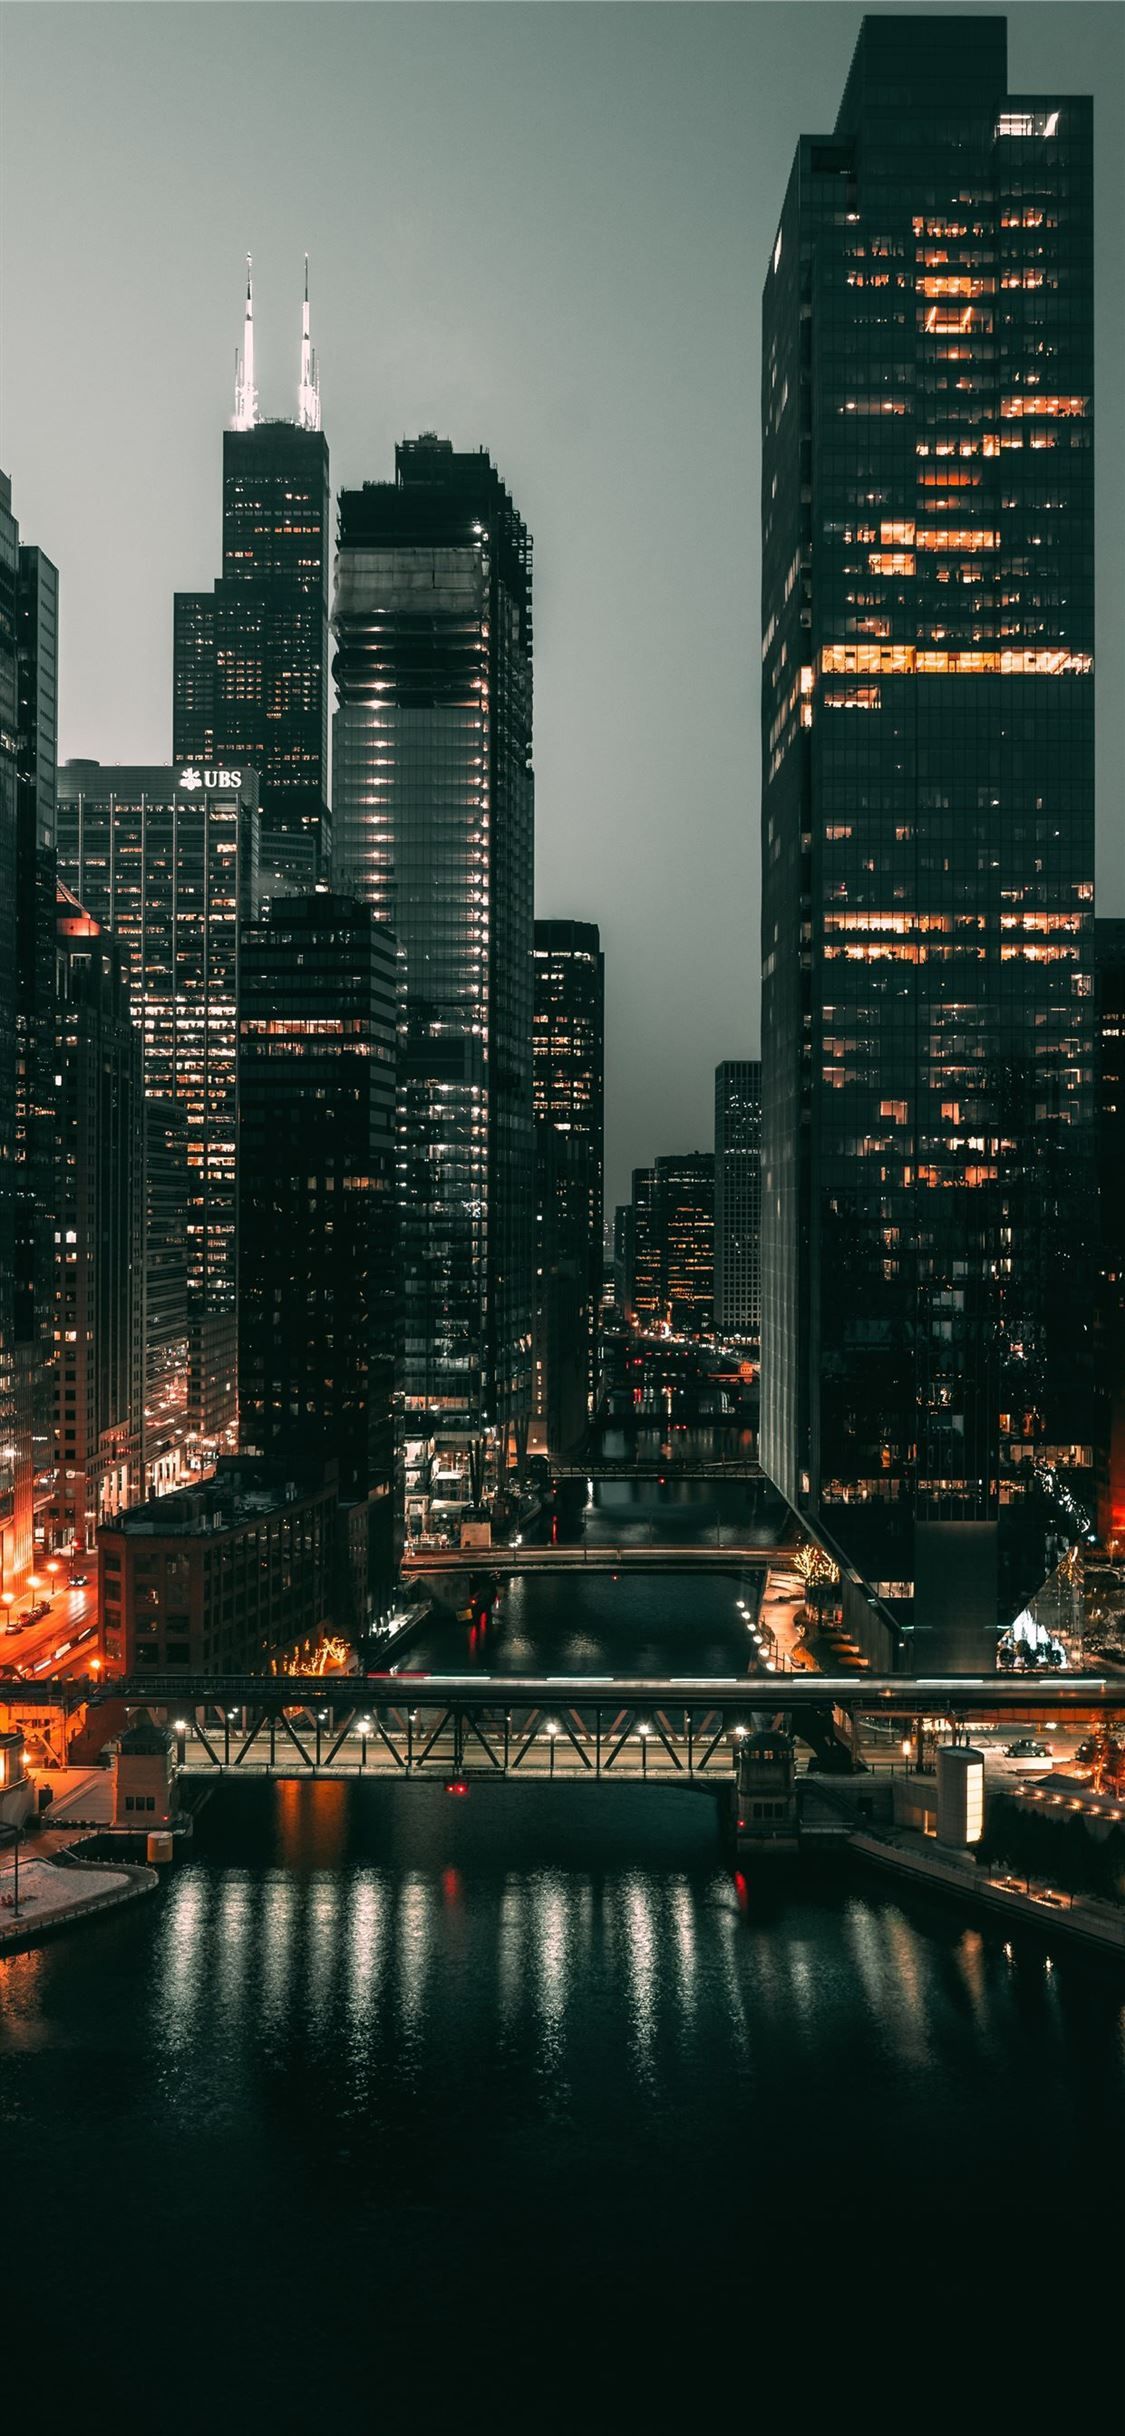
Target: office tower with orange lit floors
927,836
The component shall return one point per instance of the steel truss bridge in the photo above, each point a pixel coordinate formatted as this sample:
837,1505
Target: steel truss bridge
675,1729
728,1555
650,1467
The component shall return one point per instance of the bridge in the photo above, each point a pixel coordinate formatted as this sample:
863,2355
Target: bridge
729,1553
683,1702
660,1468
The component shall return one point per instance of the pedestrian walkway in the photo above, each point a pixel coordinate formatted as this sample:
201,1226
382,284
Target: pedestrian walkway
51,1897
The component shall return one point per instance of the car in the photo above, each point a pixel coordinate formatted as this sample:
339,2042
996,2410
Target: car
78,1581
1086,1751
1026,1749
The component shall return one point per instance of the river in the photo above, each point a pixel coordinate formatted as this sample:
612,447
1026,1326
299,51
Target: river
523,2112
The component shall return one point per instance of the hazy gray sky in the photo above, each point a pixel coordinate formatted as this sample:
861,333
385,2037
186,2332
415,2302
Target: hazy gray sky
538,227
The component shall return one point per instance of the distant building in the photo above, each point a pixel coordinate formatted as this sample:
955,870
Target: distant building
250,657
738,1197
167,1326
568,1053
624,1258
928,836
99,1364
1110,1439
319,1317
433,826
647,1276
168,860
232,1577
685,1221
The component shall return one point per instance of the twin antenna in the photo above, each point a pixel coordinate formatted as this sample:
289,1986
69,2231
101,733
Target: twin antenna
245,387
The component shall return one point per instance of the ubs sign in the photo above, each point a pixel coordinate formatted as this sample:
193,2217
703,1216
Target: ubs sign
194,779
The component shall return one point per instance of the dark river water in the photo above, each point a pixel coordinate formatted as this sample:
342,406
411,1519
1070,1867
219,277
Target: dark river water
523,2112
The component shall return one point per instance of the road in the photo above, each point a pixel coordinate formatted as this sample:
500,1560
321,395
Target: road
62,1641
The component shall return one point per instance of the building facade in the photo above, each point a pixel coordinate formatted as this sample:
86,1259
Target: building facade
1110,1438
168,860
250,657
28,756
433,825
568,1062
927,840
647,1259
318,1301
99,1267
738,1198
233,1577
167,1322
684,1195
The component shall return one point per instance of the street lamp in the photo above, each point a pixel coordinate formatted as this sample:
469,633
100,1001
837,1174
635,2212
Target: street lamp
644,1731
15,1831
552,1735
363,1729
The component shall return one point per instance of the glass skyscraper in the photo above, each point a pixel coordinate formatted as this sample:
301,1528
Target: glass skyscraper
433,825
168,860
318,1301
927,833
250,657
568,1059
28,746
738,1197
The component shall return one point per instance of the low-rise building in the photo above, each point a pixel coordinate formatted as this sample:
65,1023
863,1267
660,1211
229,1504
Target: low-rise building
146,1789
231,1577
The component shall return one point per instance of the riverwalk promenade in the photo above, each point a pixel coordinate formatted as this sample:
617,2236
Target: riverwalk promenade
55,1895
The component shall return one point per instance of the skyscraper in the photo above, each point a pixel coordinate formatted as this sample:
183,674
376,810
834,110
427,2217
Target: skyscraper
250,657
99,1367
684,1196
167,1326
1110,1435
648,1268
15,1510
168,860
927,838
738,1197
318,1302
568,1056
28,649
434,831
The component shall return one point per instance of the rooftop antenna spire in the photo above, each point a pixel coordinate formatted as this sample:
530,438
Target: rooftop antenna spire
245,393
308,396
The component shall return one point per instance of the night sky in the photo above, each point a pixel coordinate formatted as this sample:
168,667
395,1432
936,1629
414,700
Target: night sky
541,228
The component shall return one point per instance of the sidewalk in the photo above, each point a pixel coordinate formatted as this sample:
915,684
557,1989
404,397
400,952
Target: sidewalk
51,1898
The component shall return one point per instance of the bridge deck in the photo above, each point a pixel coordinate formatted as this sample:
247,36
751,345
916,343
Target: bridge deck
960,1696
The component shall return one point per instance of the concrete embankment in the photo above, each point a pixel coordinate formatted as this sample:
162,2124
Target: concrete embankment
55,1896
1049,1910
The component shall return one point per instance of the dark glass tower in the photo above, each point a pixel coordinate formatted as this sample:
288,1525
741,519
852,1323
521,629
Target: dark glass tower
250,657
568,1058
99,1371
647,1277
1110,1442
167,1325
15,1509
318,1305
434,831
927,835
738,1197
168,860
28,746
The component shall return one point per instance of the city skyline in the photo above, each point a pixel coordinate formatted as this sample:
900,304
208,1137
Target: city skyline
656,182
